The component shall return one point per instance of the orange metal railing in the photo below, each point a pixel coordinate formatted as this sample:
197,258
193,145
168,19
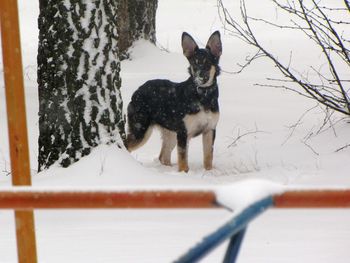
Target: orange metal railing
29,200
313,199
36,199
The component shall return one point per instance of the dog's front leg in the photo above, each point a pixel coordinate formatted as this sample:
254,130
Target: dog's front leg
208,143
182,146
168,145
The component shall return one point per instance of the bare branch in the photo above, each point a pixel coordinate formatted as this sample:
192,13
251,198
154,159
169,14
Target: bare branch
310,147
249,60
342,148
330,90
240,136
299,121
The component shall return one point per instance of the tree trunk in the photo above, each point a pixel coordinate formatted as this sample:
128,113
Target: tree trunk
78,79
136,19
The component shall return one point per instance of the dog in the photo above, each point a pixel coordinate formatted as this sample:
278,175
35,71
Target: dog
181,110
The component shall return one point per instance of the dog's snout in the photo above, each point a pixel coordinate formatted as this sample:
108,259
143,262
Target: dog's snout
204,76
201,77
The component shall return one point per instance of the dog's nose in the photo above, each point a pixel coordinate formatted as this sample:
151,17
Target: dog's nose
205,78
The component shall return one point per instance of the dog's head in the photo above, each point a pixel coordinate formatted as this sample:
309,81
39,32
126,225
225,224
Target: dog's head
203,61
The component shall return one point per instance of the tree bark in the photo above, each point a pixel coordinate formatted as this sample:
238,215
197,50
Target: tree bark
136,19
78,79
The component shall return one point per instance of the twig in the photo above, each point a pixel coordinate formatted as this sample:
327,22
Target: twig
342,148
299,121
240,136
310,147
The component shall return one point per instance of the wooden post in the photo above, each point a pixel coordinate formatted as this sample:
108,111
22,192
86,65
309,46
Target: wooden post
16,116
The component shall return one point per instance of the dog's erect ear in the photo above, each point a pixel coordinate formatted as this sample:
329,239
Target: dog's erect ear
189,46
214,44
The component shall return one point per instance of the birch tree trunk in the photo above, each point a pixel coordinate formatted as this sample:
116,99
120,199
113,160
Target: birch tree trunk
78,79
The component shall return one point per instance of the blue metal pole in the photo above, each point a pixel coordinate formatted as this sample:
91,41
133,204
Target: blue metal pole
226,231
234,246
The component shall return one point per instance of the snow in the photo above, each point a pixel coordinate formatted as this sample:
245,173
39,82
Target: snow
268,158
238,196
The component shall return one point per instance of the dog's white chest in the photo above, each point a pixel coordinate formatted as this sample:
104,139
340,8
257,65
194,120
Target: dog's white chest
200,122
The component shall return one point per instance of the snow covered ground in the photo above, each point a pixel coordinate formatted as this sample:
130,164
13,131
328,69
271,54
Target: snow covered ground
271,151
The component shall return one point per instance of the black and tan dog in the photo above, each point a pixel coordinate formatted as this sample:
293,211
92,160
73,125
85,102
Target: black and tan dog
181,110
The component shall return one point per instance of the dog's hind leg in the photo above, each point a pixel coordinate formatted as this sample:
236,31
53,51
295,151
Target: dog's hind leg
208,142
139,128
182,151
168,145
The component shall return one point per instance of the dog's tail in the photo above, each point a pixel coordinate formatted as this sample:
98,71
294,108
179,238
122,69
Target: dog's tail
139,126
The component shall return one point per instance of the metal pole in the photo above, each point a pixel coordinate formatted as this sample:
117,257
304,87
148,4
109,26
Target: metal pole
231,228
234,247
16,116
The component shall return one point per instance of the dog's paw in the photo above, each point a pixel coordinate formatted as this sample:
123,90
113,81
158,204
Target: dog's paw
208,166
183,168
164,161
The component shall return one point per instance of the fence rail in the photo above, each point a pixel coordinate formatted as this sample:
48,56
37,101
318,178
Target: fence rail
35,199
313,199
29,200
